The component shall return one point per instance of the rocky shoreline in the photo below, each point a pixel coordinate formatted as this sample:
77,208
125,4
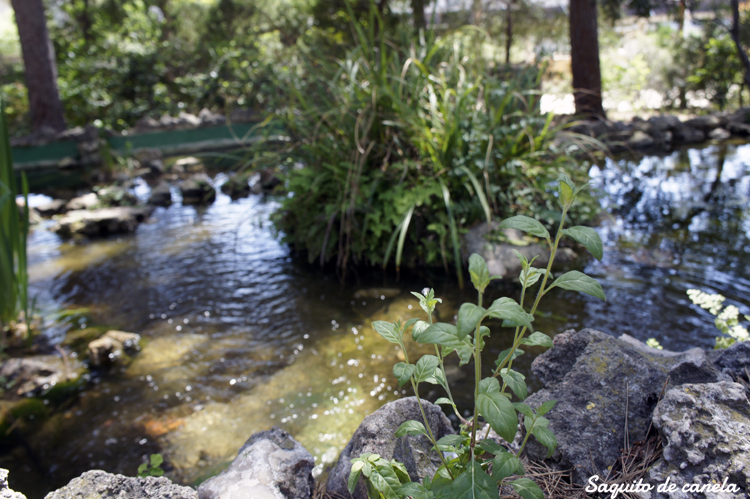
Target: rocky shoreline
614,396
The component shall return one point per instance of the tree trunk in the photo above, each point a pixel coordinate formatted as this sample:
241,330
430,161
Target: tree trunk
736,37
39,63
681,16
584,52
476,12
417,7
85,20
508,31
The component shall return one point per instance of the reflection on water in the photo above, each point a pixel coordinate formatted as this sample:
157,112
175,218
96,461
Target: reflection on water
239,335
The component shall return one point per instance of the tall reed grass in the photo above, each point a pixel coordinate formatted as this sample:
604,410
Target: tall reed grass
14,229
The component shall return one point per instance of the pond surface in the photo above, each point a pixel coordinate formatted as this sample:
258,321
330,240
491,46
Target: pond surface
240,335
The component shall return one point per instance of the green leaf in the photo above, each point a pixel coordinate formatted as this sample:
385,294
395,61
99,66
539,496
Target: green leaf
499,413
515,381
428,301
522,258
142,468
538,339
504,354
425,368
453,440
469,315
546,438
480,274
411,428
418,328
526,224
578,281
527,489
507,308
489,385
400,470
388,331
474,483
504,465
589,238
443,400
440,334
414,490
546,407
403,372
437,378
156,472
524,409
156,460
492,447
384,479
530,275
353,478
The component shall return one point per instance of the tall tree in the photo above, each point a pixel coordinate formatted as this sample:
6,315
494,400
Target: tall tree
417,7
39,63
508,29
476,12
735,31
584,54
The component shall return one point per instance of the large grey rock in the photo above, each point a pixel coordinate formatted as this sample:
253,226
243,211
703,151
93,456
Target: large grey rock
271,465
665,123
161,195
5,491
99,484
376,435
735,360
197,190
707,123
102,222
705,430
500,256
593,377
641,140
688,135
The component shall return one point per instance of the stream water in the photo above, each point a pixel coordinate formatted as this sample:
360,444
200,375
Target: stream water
239,335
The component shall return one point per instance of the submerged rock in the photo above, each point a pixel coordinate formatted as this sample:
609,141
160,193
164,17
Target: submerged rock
705,430
104,222
197,190
99,484
30,376
5,491
500,257
376,435
594,377
270,465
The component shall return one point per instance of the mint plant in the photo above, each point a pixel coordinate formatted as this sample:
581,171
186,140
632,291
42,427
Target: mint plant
474,466
152,468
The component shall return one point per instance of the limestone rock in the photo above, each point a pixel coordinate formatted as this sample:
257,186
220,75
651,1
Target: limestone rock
593,377
102,222
54,207
32,375
500,256
376,434
85,202
5,490
719,134
271,465
641,140
236,186
161,195
665,122
707,123
735,360
688,135
706,434
197,190
98,484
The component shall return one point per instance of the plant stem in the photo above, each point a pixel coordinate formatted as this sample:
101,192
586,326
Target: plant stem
542,291
429,430
477,379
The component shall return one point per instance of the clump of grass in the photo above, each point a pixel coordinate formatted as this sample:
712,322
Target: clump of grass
14,278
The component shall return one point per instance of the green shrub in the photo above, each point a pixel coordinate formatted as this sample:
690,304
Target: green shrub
399,146
470,473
